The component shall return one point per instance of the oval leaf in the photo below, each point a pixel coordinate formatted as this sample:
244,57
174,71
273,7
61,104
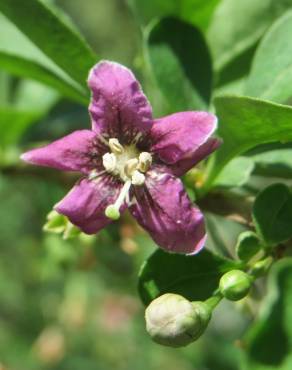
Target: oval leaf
245,123
194,277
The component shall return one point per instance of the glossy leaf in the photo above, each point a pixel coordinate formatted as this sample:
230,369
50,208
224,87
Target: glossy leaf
245,123
26,68
271,73
60,42
268,343
197,12
19,56
194,277
238,25
236,173
272,214
181,63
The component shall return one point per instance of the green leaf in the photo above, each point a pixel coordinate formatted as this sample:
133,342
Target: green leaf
245,123
271,73
247,246
236,173
272,214
60,42
19,56
268,343
32,101
26,68
276,163
197,12
238,25
194,277
181,63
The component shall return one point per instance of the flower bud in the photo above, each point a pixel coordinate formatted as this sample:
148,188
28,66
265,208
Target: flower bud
235,285
172,320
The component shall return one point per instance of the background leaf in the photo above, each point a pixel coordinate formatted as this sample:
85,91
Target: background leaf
276,163
19,56
263,351
271,73
197,12
61,43
26,68
238,25
194,277
245,123
272,214
235,173
181,63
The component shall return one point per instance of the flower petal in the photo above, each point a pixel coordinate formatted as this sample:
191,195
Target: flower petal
74,152
180,135
118,106
165,211
184,164
85,204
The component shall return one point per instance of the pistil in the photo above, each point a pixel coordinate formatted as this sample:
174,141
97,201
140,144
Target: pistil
113,210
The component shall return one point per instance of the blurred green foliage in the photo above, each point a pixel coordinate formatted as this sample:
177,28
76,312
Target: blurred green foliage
73,304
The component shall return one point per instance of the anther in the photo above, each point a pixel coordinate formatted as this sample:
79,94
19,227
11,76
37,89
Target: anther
138,178
130,166
145,161
109,162
115,146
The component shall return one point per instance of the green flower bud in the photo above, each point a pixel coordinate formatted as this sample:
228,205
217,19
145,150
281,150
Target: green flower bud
235,285
172,320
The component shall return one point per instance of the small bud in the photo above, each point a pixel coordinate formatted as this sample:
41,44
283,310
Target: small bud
112,212
172,320
235,285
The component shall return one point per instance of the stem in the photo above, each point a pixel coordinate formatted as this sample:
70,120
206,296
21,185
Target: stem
213,301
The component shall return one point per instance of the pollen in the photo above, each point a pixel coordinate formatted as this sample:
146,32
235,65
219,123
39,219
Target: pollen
126,162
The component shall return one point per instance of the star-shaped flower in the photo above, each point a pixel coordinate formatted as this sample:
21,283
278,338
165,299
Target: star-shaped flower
130,160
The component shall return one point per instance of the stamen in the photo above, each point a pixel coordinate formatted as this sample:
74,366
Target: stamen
130,166
109,162
113,210
138,178
145,161
115,146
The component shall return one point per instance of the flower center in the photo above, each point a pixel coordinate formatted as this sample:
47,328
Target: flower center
129,165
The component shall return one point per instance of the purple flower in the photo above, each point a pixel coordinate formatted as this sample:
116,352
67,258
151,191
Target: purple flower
130,160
